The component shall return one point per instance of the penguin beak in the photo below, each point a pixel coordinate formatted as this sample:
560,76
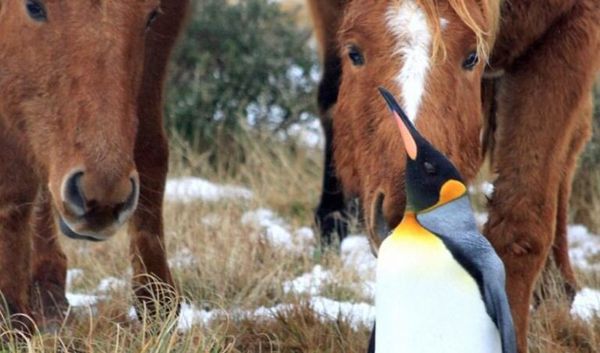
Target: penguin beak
404,124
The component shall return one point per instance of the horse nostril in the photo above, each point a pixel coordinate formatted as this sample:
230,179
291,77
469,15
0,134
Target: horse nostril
123,210
91,202
74,198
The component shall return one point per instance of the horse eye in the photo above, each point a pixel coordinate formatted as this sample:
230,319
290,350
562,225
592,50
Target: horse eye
471,61
36,10
152,17
355,56
429,168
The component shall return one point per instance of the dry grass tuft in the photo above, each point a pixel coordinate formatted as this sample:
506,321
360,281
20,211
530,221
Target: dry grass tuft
297,329
226,267
553,328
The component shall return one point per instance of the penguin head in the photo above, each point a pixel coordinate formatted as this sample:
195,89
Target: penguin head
431,179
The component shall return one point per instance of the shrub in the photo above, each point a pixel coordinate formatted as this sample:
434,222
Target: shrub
241,68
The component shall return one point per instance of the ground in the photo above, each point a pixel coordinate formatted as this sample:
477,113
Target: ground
245,257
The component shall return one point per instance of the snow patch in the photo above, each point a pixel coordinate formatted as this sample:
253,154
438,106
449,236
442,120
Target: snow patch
277,232
481,218
190,189
485,188
586,304
357,314
80,299
109,284
308,134
305,235
309,283
262,217
183,258
189,315
583,246
73,274
356,253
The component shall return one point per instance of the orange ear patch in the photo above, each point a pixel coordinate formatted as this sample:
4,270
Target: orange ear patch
409,142
452,189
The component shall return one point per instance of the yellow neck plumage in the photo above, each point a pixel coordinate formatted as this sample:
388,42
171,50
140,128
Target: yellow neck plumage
409,230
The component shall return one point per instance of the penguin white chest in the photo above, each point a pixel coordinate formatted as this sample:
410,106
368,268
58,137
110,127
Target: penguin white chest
426,302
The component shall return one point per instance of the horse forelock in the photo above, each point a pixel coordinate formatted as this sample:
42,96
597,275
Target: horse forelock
409,24
417,27
484,28
480,16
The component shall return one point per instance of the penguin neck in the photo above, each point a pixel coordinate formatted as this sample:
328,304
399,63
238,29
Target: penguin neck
409,221
409,226
411,206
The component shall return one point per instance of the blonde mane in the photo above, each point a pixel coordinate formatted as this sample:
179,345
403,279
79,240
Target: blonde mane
485,32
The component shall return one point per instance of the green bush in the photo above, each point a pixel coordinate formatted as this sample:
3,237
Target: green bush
241,68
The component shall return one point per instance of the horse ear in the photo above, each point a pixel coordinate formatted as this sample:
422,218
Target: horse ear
378,227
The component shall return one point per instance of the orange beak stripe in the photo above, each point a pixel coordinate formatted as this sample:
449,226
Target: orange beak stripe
409,142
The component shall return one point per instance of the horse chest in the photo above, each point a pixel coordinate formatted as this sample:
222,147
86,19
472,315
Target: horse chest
426,302
531,17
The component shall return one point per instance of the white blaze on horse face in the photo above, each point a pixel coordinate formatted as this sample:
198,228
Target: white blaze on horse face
408,23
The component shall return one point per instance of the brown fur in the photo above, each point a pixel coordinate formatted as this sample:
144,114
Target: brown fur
544,57
80,91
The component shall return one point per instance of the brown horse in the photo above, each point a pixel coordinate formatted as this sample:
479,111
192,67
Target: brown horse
530,106
81,138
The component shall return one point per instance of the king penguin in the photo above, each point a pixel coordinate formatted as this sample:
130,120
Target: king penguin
440,285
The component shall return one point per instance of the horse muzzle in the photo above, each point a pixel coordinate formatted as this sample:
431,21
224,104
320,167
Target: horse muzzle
90,213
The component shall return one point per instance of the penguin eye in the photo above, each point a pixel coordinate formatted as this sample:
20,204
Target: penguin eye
429,168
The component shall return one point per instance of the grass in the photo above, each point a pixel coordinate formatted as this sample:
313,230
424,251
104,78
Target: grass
232,268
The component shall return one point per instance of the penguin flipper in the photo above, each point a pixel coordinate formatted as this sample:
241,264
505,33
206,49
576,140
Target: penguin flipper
496,302
455,225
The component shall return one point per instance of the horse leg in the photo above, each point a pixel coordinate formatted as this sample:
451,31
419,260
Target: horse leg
18,188
539,99
560,248
49,266
330,214
152,281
